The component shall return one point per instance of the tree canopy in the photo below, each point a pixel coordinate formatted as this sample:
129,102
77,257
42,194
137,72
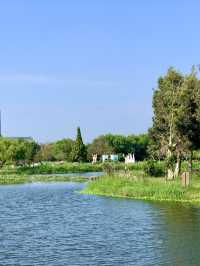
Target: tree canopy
121,145
176,123
18,152
79,152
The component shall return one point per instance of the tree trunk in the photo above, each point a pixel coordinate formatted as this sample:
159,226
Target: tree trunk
170,174
190,162
178,167
170,170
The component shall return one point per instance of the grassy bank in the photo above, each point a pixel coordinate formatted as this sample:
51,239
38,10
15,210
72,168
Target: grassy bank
63,168
145,188
51,168
13,179
20,179
47,172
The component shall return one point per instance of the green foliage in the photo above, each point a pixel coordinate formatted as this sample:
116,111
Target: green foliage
153,168
196,155
24,179
79,152
57,168
165,105
99,146
176,123
151,189
121,145
62,150
187,122
13,179
147,188
17,152
108,168
170,162
65,167
22,152
45,153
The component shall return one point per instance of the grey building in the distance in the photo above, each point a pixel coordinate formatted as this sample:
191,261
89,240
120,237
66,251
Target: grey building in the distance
13,138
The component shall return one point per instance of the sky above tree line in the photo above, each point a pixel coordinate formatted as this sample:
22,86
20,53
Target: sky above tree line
89,63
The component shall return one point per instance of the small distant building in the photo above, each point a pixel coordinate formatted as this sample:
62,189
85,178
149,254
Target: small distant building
130,158
112,157
105,157
28,139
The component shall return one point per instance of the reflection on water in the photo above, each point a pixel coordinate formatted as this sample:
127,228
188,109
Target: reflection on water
181,231
52,224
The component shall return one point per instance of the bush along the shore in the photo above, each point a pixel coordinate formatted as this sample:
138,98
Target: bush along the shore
62,168
153,168
50,168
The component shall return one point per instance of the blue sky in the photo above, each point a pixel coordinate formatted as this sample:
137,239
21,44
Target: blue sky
93,64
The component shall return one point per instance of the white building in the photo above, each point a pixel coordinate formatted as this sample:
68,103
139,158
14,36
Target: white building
130,158
112,157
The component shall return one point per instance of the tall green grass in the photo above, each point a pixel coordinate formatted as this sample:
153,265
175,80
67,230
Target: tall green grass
54,168
13,180
20,179
50,168
147,188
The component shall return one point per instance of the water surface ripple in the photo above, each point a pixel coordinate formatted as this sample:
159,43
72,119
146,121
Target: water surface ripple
54,225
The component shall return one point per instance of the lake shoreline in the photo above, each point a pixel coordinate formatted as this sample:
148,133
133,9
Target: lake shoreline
22,179
148,189
150,199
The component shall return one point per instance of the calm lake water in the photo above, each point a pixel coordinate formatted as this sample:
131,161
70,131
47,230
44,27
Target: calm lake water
54,225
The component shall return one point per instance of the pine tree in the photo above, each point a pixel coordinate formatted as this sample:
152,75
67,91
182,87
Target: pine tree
79,152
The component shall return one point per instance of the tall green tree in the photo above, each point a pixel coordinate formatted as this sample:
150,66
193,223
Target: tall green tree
99,146
175,131
17,152
79,152
187,123
121,145
46,153
62,150
164,133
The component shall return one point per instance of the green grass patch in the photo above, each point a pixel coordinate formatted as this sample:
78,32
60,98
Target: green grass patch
20,179
47,179
63,168
53,168
145,188
13,180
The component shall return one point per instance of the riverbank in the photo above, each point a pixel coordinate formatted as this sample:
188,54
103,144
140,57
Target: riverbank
65,167
156,189
20,179
55,168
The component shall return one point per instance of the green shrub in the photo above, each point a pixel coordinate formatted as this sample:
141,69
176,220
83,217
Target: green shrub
152,168
108,168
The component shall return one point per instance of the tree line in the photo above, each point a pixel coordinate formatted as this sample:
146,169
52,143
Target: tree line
23,152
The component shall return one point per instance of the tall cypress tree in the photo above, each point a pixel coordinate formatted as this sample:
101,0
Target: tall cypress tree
79,152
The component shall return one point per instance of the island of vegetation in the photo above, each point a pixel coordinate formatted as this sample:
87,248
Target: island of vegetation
170,148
